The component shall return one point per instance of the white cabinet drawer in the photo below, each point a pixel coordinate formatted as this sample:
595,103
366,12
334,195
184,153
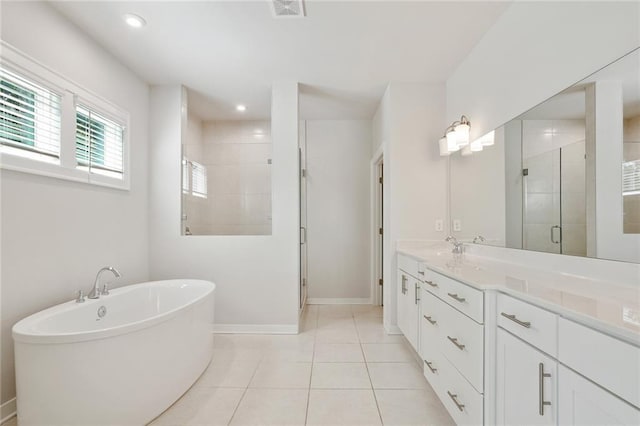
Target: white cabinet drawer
460,399
609,362
411,266
432,363
461,296
431,282
528,322
462,343
429,323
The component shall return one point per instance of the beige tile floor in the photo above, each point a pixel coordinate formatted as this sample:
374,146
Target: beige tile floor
342,369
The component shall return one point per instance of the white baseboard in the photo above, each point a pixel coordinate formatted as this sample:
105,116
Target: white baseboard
8,410
392,329
255,329
339,301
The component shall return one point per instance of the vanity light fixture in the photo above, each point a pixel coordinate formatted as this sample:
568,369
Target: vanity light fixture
475,146
488,139
466,151
462,129
456,136
444,147
134,21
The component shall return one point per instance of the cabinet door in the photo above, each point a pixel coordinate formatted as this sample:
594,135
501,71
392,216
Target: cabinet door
412,305
401,305
584,403
526,384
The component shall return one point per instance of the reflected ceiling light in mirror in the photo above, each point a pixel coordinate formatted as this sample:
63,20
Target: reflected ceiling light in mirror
134,21
241,108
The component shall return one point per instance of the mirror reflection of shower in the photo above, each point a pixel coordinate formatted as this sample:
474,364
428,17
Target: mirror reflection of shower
226,171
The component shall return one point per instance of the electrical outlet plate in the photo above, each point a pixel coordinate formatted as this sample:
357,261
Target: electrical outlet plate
439,225
457,225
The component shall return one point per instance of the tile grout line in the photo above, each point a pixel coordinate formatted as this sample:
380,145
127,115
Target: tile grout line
366,365
235,410
313,357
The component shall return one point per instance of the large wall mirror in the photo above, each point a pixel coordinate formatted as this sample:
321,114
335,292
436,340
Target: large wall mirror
226,169
564,177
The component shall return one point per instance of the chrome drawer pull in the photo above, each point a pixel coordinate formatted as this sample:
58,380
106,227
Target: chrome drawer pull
421,272
525,324
432,284
541,401
456,297
454,398
454,340
433,370
430,320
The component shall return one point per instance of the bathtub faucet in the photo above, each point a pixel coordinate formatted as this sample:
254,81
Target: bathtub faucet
95,291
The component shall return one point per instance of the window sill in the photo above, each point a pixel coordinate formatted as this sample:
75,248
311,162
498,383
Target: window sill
34,167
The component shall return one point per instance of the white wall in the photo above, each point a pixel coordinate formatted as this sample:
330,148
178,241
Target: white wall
256,276
535,50
57,234
611,241
414,173
338,203
380,123
478,193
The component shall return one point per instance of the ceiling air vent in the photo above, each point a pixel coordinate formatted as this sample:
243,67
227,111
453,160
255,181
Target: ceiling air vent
287,8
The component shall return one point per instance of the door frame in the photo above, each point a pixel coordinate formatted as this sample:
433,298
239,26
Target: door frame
377,251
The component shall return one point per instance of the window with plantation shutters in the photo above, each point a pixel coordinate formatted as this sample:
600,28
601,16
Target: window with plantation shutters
30,118
198,180
52,127
631,178
98,143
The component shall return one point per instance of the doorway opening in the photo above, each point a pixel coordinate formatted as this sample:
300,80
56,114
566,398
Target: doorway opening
377,198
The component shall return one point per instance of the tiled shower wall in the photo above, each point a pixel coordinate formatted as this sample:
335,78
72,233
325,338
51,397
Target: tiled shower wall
237,158
549,173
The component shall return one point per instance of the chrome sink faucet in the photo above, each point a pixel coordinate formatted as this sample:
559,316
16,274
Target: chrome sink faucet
95,291
458,247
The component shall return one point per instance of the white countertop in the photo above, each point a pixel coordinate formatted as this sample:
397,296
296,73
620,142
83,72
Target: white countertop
610,307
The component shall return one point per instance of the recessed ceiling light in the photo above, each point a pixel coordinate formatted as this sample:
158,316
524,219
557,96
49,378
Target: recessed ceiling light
134,21
241,108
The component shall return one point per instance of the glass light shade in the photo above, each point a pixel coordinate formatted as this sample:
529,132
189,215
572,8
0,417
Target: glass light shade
476,146
444,147
462,134
489,138
466,151
452,141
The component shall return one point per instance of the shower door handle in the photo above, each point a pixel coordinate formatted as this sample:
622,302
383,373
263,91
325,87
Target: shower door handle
551,231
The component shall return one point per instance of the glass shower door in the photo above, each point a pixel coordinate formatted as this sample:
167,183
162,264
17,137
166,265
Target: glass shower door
555,201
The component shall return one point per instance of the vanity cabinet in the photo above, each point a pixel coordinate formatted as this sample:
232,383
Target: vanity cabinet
526,381
493,357
581,402
452,345
408,308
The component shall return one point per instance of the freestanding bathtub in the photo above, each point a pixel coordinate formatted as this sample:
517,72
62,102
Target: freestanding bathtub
118,360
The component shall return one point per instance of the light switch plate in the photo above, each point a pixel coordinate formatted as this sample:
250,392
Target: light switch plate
457,225
439,225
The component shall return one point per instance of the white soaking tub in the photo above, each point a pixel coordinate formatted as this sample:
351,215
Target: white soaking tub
75,367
